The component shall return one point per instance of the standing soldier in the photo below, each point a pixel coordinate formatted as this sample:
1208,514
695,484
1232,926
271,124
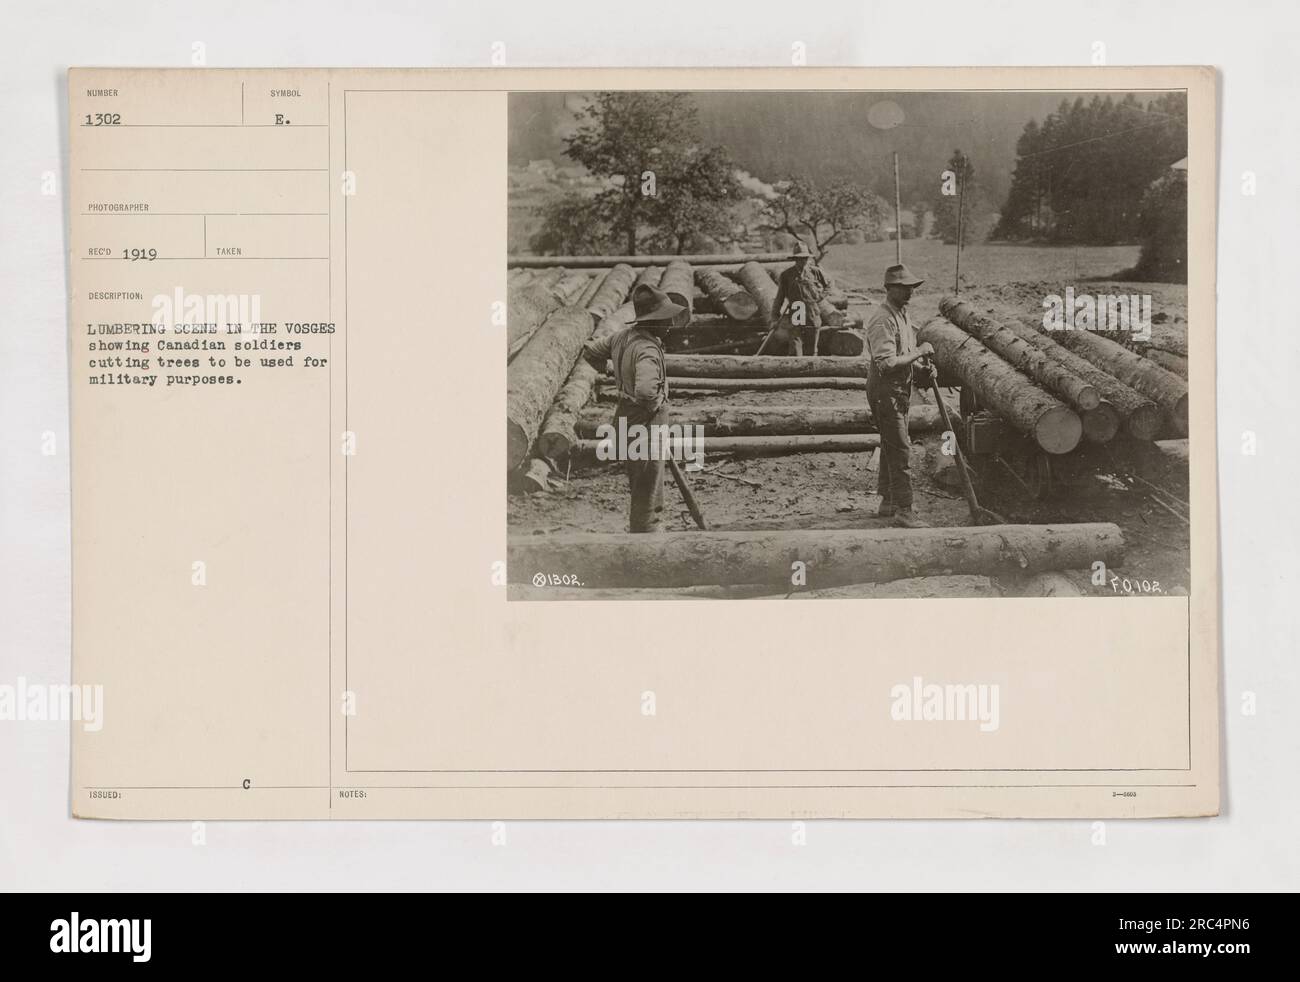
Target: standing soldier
637,352
798,292
892,345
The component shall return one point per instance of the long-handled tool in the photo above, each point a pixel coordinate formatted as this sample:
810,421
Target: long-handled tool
979,515
685,489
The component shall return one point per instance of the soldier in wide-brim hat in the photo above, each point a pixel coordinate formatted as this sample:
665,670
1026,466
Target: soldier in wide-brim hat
637,353
799,291
891,343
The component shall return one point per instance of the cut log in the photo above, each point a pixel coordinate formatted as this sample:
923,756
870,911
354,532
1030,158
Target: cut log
1101,423
742,346
535,476
518,277
526,310
1165,337
678,282
556,436
1142,418
767,446
592,262
612,292
536,375
1052,424
726,295
764,366
1008,346
650,276
912,588
1161,386
832,316
570,287
725,420
593,285
763,384
550,276
759,286
1168,361
833,557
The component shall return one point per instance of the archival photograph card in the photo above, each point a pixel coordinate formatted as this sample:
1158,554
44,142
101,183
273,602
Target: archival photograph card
931,347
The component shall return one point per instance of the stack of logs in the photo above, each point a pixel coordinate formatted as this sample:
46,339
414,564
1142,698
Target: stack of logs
1059,387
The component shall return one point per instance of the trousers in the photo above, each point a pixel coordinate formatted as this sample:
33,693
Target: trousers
645,478
889,405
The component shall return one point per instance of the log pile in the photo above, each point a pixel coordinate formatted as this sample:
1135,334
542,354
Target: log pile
536,374
1053,425
726,295
723,419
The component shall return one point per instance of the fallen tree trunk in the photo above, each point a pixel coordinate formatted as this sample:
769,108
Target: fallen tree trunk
1169,362
765,446
612,292
724,296
1101,423
536,375
759,286
764,366
526,310
556,437
721,420
833,557
1141,417
1052,424
1163,387
728,347
650,276
763,384
591,262
593,285
1031,361
678,281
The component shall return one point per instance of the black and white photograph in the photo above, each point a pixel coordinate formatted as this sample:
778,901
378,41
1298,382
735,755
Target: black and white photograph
847,344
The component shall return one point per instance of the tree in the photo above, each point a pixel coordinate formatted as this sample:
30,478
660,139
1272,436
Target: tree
823,214
1082,174
945,210
571,226
695,202
645,145
1162,226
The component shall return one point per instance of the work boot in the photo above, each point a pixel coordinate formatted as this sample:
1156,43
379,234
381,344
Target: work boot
886,510
907,519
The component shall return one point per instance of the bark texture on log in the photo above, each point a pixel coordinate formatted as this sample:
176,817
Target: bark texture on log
1161,386
762,384
764,366
770,446
591,262
650,276
526,310
1169,362
1142,417
759,286
536,375
724,420
1021,355
833,557
850,341
556,437
550,276
612,292
1052,424
535,476
678,282
1166,337
1101,423
726,295
593,285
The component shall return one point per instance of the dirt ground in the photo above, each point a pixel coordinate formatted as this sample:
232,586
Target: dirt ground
837,490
